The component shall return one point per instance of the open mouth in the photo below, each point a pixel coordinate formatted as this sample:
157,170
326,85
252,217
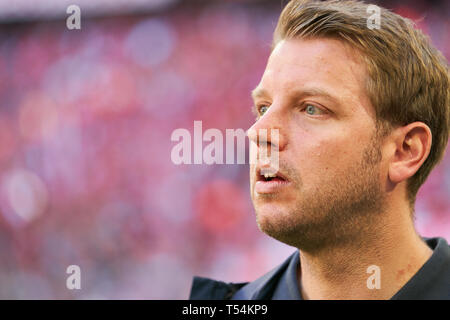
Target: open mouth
270,182
270,176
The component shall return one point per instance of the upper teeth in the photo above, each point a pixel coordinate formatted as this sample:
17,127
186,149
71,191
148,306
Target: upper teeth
270,175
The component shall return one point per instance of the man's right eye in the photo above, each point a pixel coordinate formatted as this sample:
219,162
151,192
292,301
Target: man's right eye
262,110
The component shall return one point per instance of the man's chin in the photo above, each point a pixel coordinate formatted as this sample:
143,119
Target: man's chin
270,216
269,209
277,225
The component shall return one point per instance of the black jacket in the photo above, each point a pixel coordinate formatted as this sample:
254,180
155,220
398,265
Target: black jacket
432,281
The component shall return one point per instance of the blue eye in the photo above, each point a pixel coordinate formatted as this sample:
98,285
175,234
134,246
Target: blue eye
263,110
310,109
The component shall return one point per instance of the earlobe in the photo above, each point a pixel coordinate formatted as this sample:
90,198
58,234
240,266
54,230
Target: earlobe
397,173
412,147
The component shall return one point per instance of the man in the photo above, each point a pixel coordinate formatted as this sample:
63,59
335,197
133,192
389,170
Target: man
362,116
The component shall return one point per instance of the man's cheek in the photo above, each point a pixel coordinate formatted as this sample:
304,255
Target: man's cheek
322,162
252,172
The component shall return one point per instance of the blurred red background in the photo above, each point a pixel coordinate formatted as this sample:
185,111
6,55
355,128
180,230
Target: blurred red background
85,171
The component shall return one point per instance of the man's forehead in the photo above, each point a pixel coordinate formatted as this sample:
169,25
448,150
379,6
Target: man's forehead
316,56
318,46
322,67
317,59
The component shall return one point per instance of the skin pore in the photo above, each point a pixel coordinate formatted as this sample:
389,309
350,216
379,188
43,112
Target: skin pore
345,206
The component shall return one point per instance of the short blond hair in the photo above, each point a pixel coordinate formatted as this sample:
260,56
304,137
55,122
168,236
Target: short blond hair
408,78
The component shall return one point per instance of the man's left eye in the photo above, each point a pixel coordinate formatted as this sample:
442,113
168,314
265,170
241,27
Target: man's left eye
312,110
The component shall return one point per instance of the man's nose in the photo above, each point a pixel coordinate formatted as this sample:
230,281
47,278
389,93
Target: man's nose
269,129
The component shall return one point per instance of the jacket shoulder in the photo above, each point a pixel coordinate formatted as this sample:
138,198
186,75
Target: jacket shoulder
209,289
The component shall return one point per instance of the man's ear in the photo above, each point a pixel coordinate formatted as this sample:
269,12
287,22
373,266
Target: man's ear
412,144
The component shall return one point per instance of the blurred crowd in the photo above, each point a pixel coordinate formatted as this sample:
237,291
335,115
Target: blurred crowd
85,171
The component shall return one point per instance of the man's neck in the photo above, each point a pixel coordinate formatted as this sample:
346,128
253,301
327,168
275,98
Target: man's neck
397,252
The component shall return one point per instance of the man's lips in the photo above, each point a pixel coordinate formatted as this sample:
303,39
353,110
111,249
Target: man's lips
271,183
278,175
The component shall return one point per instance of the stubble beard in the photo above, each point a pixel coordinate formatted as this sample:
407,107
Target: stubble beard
341,212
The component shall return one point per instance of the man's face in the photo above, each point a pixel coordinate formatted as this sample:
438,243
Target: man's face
312,91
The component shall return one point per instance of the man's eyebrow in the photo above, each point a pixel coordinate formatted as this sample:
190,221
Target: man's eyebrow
299,93
258,92
314,91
